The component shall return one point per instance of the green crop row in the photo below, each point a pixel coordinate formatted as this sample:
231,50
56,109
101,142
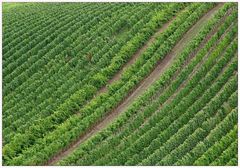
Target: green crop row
23,107
214,151
92,118
137,104
21,57
187,130
66,40
12,43
89,89
104,58
227,154
174,114
223,128
148,136
234,160
23,110
193,139
157,124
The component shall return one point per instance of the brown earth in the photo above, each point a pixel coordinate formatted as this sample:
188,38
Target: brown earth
159,69
204,58
135,56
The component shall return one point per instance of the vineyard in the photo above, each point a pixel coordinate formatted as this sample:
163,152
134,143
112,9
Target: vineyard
120,84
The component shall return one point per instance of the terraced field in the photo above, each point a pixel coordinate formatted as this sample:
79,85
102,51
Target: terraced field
120,84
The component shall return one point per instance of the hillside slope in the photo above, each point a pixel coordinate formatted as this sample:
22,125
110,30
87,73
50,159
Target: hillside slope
120,84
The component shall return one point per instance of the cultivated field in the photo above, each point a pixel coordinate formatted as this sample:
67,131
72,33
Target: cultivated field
120,84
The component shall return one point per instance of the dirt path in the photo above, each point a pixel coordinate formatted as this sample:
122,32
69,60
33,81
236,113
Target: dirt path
196,68
191,56
163,64
135,56
97,127
155,74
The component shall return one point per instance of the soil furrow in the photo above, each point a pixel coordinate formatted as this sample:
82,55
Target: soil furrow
104,89
153,76
135,56
197,67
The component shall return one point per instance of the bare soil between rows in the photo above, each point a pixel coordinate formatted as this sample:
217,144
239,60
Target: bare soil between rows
150,79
